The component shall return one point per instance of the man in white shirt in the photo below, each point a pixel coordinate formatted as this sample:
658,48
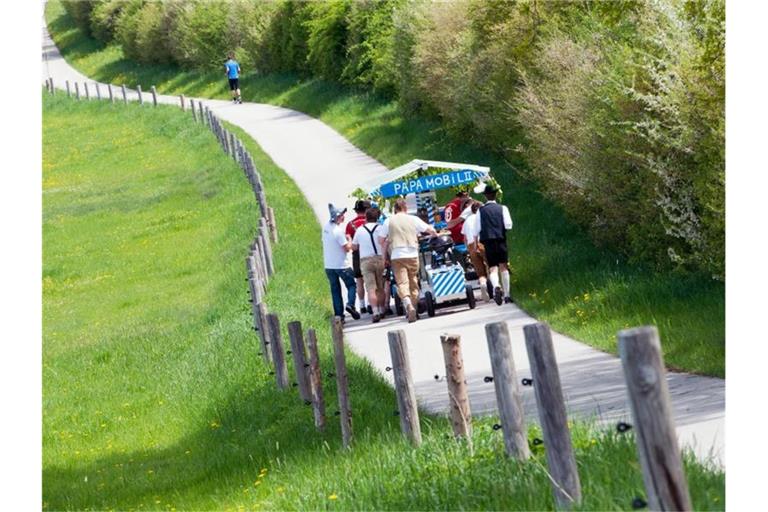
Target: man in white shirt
338,263
493,222
402,232
470,230
368,240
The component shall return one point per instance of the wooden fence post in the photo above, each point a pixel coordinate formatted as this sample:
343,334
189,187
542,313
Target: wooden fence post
53,90
77,91
508,396
98,91
87,94
192,108
406,394
154,96
267,247
125,94
278,354
200,110
461,417
315,381
566,486
272,223
665,481
266,350
141,98
299,353
181,98
252,278
259,260
69,93
111,95
258,249
342,383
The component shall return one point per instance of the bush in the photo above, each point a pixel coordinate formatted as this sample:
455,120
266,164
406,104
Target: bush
80,11
103,19
326,38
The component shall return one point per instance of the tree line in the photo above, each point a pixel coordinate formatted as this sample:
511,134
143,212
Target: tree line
617,108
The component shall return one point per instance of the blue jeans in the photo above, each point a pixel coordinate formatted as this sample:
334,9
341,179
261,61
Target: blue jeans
346,275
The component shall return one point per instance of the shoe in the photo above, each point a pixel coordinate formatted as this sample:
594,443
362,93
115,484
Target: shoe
376,318
370,309
240,101
389,312
412,314
352,311
484,294
498,295
508,300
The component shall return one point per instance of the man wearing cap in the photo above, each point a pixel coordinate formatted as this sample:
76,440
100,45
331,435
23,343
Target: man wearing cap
402,232
361,206
493,222
338,264
453,218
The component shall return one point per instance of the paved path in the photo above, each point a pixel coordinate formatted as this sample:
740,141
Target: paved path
326,167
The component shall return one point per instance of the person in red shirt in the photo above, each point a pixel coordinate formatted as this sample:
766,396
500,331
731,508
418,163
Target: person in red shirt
453,215
361,206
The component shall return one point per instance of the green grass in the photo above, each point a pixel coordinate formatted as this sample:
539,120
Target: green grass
154,396
558,274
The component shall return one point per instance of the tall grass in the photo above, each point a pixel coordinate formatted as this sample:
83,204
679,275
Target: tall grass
154,396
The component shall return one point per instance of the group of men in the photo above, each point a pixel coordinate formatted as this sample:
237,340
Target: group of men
367,252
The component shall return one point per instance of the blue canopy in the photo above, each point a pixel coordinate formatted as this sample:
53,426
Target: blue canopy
398,182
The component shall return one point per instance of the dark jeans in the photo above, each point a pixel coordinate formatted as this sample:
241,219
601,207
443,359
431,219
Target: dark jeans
346,275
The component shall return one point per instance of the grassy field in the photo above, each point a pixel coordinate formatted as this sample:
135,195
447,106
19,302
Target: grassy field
154,397
558,275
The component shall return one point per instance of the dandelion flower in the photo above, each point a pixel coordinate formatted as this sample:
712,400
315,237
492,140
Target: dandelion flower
332,497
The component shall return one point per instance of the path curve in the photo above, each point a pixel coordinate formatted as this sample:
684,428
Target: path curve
327,167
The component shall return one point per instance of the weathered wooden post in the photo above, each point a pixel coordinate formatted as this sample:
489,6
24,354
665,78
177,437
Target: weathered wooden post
461,417
192,108
77,91
272,223
342,383
154,96
266,350
125,94
278,354
566,486
111,95
315,380
508,396
643,362
267,247
261,260
50,80
299,353
69,93
200,110
98,91
181,99
254,288
138,91
406,393
87,94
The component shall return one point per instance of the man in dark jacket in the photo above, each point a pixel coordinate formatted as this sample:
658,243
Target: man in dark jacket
494,222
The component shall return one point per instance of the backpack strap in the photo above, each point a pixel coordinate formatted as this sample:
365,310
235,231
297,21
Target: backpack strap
370,234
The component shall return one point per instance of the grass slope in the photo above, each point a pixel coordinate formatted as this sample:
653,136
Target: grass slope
558,275
154,397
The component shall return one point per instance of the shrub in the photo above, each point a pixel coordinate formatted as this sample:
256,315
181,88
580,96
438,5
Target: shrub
80,11
103,20
326,38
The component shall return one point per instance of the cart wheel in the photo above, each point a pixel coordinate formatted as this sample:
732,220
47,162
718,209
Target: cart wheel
430,303
470,297
399,306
